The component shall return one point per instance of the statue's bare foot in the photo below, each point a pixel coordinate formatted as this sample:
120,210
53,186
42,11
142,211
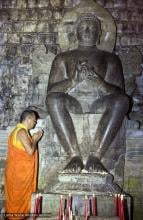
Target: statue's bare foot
93,164
74,166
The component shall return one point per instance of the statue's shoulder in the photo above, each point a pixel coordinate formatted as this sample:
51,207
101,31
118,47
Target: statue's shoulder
110,56
64,55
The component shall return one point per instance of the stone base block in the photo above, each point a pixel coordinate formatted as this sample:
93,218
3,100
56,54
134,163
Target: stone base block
83,183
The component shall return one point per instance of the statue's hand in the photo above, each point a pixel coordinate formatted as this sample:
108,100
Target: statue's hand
94,77
74,70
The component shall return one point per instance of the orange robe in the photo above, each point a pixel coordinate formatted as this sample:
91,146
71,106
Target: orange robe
20,177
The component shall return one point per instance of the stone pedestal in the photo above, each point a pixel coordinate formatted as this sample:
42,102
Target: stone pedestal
52,156
86,182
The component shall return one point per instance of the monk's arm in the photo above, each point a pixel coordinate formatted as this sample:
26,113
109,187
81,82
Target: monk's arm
24,139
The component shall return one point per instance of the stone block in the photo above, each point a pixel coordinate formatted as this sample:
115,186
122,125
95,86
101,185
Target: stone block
25,49
17,27
7,27
4,15
140,28
56,3
9,4
23,14
3,143
13,38
21,4
32,4
44,14
3,38
125,40
2,50
109,4
120,4
49,38
134,4
115,13
57,15
14,14
43,3
68,3
30,26
23,70
26,39
119,28
31,14
137,39
125,14
12,50
42,27
138,204
133,174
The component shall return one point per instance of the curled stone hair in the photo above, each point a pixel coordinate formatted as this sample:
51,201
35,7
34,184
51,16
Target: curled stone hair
91,17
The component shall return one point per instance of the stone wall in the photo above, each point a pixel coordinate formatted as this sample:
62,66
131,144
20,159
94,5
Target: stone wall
28,45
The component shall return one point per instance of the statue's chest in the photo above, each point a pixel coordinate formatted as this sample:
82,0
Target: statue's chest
92,61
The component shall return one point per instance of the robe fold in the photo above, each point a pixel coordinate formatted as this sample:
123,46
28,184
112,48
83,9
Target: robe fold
20,179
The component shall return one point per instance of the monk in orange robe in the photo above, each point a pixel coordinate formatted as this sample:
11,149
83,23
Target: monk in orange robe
21,166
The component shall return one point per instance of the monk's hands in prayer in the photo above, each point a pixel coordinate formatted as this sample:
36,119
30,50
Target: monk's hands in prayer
37,136
24,139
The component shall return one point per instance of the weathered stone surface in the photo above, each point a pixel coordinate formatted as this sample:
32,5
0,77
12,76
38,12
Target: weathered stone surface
43,3
2,50
120,4
13,38
9,3
21,4
3,38
45,14
42,27
4,15
7,27
135,4
17,27
30,26
84,183
131,62
27,38
32,4
56,3
31,14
